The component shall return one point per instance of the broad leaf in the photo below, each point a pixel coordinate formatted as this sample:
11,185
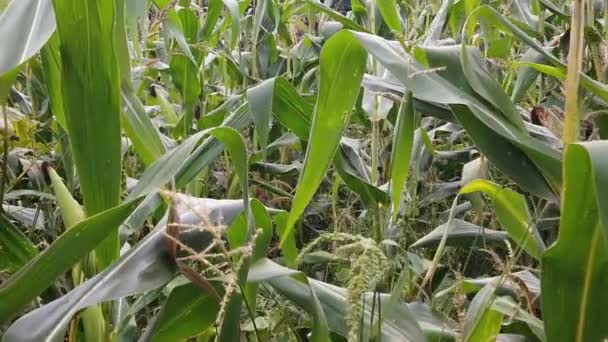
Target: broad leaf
91,101
461,233
25,26
15,247
482,323
187,312
574,275
342,65
38,274
403,140
513,214
144,267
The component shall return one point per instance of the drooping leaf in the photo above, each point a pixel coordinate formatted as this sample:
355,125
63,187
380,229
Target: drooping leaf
144,267
210,148
71,246
25,26
492,133
461,233
266,270
489,14
526,75
174,27
164,168
405,323
486,87
513,214
235,145
495,135
509,308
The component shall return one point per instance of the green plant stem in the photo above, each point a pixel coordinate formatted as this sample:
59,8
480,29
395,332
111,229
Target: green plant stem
375,175
334,201
575,57
374,150
378,233
594,47
372,17
4,158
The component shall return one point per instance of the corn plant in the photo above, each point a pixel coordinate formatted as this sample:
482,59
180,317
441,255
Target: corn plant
303,170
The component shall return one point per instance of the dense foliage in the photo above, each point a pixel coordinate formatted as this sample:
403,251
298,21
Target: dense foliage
303,170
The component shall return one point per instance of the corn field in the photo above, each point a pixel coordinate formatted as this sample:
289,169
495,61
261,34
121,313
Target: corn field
303,170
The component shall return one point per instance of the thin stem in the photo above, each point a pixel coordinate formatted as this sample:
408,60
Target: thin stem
374,148
377,224
372,17
4,158
594,45
251,315
575,57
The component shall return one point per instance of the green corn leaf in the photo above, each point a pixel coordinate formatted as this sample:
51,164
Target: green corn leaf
214,11
482,323
184,73
187,312
266,271
51,61
290,109
513,215
91,101
210,148
25,26
342,64
235,17
260,98
525,75
492,133
235,145
348,24
174,27
403,140
71,211
144,267
388,9
39,273
489,14
574,275
436,28
6,81
15,248
139,128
